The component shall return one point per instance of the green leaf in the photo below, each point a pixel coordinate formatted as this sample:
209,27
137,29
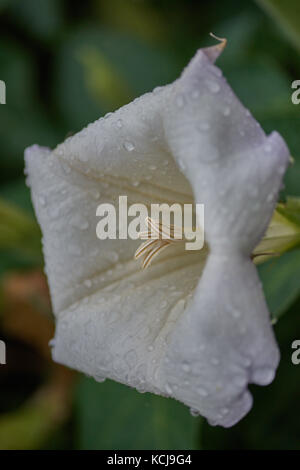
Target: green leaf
42,18
287,14
92,61
291,210
18,230
280,278
113,416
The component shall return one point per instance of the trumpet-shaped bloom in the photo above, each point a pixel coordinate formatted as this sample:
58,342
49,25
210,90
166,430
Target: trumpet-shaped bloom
195,325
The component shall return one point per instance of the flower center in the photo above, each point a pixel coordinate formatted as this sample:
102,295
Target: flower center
158,237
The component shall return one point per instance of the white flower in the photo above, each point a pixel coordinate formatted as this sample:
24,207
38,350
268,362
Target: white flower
195,325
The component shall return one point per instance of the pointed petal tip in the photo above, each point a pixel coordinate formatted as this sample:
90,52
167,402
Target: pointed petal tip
213,52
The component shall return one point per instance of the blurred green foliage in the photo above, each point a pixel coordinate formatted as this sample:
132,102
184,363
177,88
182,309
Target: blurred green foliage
65,63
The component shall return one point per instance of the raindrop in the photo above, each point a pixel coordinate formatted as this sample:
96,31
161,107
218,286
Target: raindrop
204,126
215,361
42,201
119,123
88,283
79,222
226,111
131,358
169,389
236,313
113,256
240,381
186,367
152,167
214,87
135,183
74,250
180,101
99,378
129,146
268,148
96,194
194,412
202,392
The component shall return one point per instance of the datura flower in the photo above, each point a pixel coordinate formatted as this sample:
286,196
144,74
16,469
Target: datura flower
194,325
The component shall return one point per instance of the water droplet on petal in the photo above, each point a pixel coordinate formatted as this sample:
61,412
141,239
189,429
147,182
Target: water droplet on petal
88,283
215,361
194,412
226,111
119,123
268,148
43,201
214,87
180,101
202,392
131,358
204,126
129,146
186,367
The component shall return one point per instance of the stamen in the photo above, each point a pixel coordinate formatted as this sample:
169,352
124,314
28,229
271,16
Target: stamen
158,237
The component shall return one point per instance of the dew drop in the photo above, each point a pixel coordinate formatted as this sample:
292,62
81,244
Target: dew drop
194,412
214,87
226,111
131,358
43,201
180,101
129,146
113,256
235,313
204,126
202,392
119,123
186,367
215,361
268,148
